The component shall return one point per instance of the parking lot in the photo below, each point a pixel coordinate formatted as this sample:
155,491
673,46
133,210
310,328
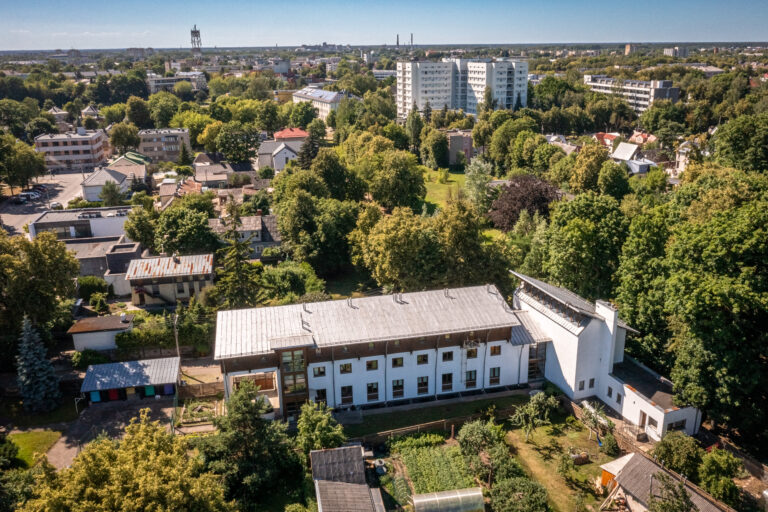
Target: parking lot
61,188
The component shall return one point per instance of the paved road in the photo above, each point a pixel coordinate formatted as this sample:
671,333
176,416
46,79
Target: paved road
62,187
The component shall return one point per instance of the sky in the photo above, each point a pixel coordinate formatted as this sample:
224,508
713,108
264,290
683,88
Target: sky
58,24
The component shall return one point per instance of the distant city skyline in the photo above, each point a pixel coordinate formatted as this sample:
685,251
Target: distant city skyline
51,24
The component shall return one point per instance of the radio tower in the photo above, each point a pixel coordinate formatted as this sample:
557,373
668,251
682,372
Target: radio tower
197,43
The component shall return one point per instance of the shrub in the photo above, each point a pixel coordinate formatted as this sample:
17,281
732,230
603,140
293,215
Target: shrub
680,453
81,360
272,253
79,202
610,446
88,285
442,175
266,173
399,444
478,436
518,495
98,302
8,452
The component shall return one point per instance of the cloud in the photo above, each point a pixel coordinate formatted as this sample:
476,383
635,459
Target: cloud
19,31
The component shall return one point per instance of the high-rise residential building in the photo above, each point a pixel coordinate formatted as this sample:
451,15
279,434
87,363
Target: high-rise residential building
640,94
82,150
629,49
459,84
677,51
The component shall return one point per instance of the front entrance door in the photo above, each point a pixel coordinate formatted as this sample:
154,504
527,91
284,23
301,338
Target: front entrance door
643,419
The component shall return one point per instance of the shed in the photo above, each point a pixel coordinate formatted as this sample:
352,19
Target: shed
457,500
131,379
98,332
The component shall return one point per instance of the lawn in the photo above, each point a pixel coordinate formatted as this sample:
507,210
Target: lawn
36,441
439,193
350,283
14,412
430,411
540,455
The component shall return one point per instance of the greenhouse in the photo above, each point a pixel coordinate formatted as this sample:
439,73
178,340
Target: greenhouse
457,500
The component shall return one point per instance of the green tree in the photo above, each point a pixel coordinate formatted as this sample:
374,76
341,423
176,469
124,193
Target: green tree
413,127
238,281
680,453
183,90
317,429
716,473
341,182
111,194
162,107
397,181
302,114
185,158
148,469
140,226
743,143
434,149
238,142
586,169
253,455
505,134
193,121
478,175
518,495
309,149
113,114
39,126
316,130
88,285
612,180
290,281
38,383
124,137
138,113
180,230
207,138
669,496
19,162
534,413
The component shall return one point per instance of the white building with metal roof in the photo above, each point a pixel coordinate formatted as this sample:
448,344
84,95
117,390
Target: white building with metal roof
324,101
170,279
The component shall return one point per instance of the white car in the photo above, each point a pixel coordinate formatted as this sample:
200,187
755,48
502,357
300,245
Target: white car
55,205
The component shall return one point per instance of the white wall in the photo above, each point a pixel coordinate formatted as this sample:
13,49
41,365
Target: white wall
104,340
108,226
120,286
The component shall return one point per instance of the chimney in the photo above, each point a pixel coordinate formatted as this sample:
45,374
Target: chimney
259,212
81,130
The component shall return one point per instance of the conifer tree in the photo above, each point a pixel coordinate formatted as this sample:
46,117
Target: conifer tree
37,381
185,158
308,152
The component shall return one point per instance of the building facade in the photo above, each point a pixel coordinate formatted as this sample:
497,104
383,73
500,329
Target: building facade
640,94
259,230
459,84
168,280
164,144
323,101
81,222
82,150
157,83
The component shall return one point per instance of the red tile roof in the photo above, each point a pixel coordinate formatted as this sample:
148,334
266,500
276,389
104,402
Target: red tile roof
291,133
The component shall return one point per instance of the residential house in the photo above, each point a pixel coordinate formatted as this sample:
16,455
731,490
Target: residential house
133,165
131,380
93,184
99,332
168,280
632,480
641,138
340,483
291,134
81,222
624,152
164,144
92,253
277,153
260,229
61,118
82,150
90,111
213,175
118,258
606,139
459,142
683,156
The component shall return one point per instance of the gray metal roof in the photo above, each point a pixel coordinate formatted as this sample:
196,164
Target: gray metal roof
171,266
346,497
455,500
102,176
344,464
147,372
313,93
244,332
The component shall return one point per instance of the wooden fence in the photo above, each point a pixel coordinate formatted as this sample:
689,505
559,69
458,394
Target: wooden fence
201,390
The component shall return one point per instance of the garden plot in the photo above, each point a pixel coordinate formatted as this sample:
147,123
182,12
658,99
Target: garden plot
198,411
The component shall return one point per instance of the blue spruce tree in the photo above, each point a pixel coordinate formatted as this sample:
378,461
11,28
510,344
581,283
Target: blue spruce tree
38,383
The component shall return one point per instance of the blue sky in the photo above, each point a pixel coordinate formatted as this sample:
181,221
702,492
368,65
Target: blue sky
52,24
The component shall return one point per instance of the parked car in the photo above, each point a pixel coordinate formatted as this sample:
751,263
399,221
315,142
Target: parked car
20,200
29,196
40,187
55,205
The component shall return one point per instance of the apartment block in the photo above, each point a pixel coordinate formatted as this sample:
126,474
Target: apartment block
164,144
82,150
677,51
157,83
640,94
323,101
460,84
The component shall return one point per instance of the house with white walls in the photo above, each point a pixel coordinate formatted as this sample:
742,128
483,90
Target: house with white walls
410,347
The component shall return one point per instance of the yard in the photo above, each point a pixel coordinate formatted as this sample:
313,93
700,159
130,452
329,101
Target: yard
14,412
33,442
439,193
196,411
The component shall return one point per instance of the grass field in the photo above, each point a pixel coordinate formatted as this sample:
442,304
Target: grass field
431,411
540,455
439,193
36,441
14,412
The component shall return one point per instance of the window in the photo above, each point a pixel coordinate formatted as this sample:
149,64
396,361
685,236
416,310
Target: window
495,376
471,379
618,398
610,391
677,425
447,356
345,368
496,350
653,423
422,385
293,360
373,391
321,395
581,385
346,395
422,359
397,362
591,383
398,388
294,383
318,371
447,381
471,353
372,365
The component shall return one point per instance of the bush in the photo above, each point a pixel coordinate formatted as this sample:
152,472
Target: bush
266,173
272,253
79,202
238,180
399,444
8,452
518,495
610,446
680,453
81,360
442,175
88,285
98,302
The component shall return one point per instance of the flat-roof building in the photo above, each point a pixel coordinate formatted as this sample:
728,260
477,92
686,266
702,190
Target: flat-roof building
640,94
157,83
81,222
323,101
164,144
82,150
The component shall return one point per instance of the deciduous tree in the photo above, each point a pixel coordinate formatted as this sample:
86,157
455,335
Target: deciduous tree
317,429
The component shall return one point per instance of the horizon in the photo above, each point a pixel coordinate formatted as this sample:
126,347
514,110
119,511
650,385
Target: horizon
46,25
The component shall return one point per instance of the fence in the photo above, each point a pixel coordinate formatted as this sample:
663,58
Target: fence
201,390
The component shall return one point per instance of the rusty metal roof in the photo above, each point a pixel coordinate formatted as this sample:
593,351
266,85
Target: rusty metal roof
170,266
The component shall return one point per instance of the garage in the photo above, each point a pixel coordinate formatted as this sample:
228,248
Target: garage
131,380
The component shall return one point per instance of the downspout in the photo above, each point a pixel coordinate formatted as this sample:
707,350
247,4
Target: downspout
437,344
333,378
485,350
386,364
519,364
